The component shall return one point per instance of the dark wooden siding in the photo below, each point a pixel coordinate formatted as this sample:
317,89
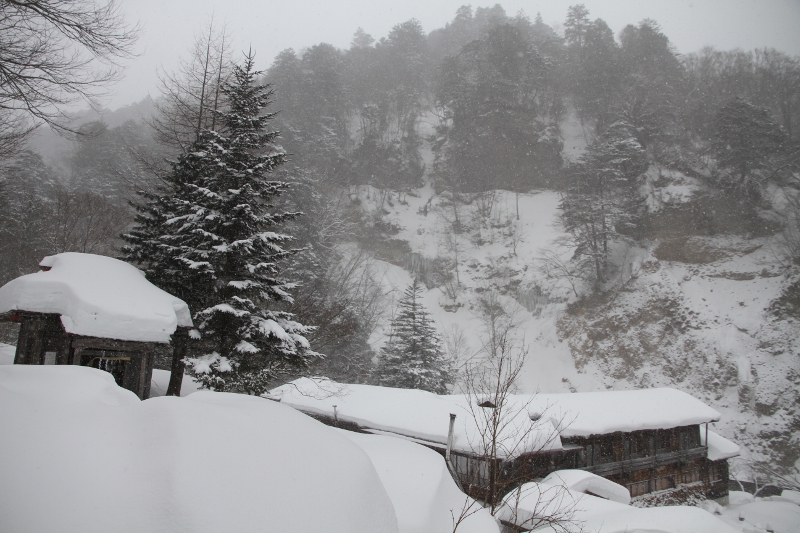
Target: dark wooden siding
43,340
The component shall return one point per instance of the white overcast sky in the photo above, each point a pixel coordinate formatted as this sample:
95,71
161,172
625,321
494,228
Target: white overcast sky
168,26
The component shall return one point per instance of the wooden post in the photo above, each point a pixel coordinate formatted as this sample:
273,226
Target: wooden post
23,340
148,375
180,343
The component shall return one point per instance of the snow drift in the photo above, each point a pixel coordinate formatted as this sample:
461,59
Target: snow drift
535,504
425,497
80,454
97,296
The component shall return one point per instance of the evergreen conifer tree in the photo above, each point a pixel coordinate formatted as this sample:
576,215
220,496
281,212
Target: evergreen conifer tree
413,357
213,242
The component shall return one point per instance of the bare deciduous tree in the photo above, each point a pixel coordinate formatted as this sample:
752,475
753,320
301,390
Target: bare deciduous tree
84,222
54,53
505,428
191,96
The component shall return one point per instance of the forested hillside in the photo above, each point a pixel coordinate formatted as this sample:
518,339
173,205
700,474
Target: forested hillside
640,206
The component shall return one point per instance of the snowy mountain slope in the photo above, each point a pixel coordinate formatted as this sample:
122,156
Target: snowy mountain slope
700,326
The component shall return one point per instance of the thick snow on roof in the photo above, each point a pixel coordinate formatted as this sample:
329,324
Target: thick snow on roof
415,413
598,413
424,415
80,454
583,481
98,296
718,446
591,514
425,497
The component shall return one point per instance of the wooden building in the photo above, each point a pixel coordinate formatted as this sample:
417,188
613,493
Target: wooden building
95,311
654,442
645,462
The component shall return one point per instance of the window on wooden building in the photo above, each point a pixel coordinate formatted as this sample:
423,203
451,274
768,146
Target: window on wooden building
639,488
663,483
689,438
664,440
694,437
715,473
605,452
471,470
690,476
49,358
639,445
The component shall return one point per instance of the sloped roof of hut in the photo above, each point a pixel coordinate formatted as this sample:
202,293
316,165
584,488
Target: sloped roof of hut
97,296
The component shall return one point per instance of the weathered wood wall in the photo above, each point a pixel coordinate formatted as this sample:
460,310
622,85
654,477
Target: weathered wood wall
43,334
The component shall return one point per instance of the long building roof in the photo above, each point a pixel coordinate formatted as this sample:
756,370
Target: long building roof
425,416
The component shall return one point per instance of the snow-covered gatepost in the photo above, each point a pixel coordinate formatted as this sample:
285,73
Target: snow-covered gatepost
91,310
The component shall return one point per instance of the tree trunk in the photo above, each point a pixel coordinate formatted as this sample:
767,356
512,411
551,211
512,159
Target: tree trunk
180,341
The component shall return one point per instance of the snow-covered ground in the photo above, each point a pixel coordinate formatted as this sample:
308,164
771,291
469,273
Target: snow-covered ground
81,454
228,462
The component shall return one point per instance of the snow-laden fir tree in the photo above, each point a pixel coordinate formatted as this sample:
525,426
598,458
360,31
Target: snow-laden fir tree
214,241
603,202
413,357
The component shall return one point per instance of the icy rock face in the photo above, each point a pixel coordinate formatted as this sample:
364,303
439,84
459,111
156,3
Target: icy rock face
97,296
80,454
702,323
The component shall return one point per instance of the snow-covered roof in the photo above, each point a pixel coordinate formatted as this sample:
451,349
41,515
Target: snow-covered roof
414,414
425,416
589,483
718,446
97,296
600,413
555,499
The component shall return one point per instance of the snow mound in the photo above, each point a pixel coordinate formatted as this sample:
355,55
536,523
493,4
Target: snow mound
160,382
718,446
599,413
792,496
97,296
763,514
413,413
80,454
586,482
7,353
589,514
425,497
